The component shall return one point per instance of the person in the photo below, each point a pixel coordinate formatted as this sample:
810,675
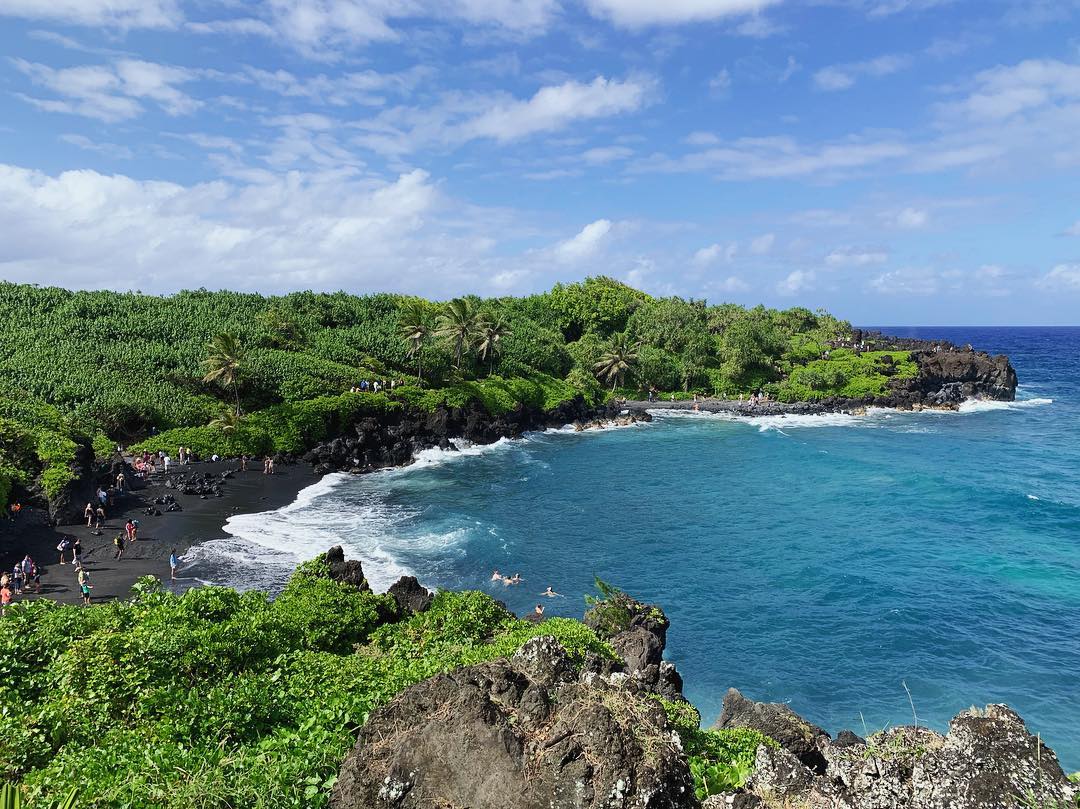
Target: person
538,611
88,512
27,569
496,575
134,530
76,553
266,465
166,460
35,576
15,508
5,598
127,530
121,481
118,541
243,463
99,517
102,495
65,543
270,465
215,457
375,386
16,579
549,592
174,563
85,586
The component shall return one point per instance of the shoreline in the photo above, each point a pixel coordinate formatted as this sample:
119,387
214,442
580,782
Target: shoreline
200,520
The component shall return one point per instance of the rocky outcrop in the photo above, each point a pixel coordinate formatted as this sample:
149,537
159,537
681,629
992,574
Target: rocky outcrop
638,634
347,572
797,736
987,760
411,596
951,376
531,732
394,438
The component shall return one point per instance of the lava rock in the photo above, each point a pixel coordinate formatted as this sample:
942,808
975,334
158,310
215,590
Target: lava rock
411,596
347,572
799,737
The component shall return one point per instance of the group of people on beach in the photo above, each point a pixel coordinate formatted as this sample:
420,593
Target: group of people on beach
24,575
374,387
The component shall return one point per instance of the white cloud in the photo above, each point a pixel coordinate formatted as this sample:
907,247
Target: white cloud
730,285
602,155
82,229
796,282
908,219
107,13
113,150
639,13
360,87
1006,91
1063,277
110,92
841,77
701,139
714,252
720,84
907,281
855,257
586,243
763,244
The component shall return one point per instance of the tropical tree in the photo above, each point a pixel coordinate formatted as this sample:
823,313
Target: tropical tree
415,327
227,422
489,337
619,357
224,360
458,323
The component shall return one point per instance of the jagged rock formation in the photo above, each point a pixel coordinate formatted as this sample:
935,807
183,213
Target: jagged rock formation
987,760
394,438
411,596
532,732
348,572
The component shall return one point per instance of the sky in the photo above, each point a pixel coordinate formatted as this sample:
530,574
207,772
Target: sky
892,161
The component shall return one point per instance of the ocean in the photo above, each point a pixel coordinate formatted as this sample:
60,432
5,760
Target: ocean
834,563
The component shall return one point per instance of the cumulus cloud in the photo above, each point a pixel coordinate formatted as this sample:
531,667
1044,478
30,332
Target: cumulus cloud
715,252
907,281
586,243
106,13
639,13
83,229
910,219
796,282
1005,91
1062,278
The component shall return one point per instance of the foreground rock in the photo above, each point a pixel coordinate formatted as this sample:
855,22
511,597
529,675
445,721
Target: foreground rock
987,760
532,732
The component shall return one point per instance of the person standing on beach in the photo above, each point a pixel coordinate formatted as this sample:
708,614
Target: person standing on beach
118,541
65,543
88,512
121,481
99,517
165,460
127,530
243,463
174,563
5,598
27,569
134,530
85,587
76,553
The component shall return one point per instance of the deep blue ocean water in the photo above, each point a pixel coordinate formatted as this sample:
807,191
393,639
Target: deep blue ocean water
823,562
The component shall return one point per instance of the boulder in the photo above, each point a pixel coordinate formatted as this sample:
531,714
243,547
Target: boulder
531,732
348,572
799,737
987,760
411,596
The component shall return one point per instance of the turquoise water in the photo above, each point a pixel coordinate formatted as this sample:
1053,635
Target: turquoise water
820,562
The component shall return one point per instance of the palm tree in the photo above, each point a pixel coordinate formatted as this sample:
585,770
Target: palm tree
619,358
415,328
227,422
458,323
223,362
489,337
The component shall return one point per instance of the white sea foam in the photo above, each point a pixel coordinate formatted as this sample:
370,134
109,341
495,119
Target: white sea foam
986,405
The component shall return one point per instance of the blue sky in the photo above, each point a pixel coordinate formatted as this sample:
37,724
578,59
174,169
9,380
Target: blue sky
895,161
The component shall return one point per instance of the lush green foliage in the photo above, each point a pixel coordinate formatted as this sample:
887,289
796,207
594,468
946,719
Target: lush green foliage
91,368
224,699
720,760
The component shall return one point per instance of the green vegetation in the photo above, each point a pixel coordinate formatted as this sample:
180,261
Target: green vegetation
720,760
217,698
230,372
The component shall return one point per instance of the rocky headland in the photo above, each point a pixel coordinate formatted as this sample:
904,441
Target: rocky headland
546,730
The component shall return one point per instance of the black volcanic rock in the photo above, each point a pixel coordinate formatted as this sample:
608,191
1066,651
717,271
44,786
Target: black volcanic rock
347,572
411,596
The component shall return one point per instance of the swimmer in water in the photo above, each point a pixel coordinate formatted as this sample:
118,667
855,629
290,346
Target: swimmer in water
549,592
496,576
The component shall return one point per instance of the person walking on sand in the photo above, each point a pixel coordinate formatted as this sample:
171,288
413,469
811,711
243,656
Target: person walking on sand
63,546
16,579
165,461
88,512
99,517
134,530
118,541
127,530
85,587
76,553
121,481
174,563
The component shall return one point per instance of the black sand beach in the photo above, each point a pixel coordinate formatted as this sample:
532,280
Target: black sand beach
200,520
